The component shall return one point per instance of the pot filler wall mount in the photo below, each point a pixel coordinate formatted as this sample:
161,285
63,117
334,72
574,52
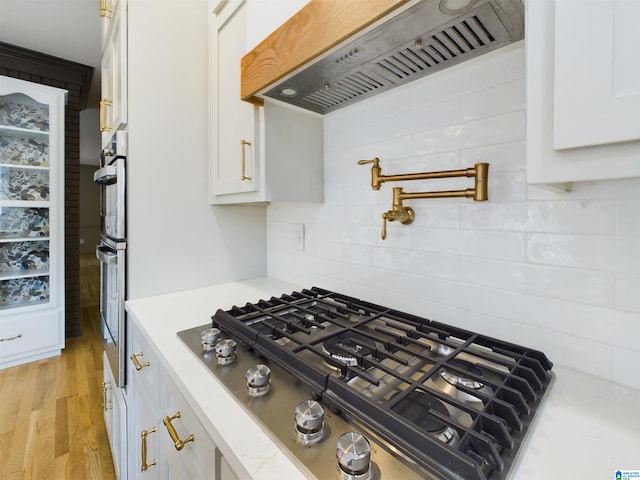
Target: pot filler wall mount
405,215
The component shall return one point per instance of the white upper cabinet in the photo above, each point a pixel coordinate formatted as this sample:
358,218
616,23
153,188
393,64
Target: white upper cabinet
259,153
113,98
583,90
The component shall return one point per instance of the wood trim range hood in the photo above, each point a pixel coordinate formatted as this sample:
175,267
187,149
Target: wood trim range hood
333,53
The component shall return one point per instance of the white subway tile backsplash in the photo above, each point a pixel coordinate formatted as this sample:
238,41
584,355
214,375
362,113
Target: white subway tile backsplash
624,366
629,216
432,265
552,270
585,286
611,189
628,292
612,253
586,216
505,157
497,100
435,214
498,245
505,187
612,327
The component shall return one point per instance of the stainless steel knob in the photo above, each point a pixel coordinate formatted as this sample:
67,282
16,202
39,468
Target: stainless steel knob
309,416
226,347
258,380
210,338
309,421
226,351
354,454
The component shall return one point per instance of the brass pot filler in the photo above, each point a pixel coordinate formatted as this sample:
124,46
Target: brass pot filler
405,215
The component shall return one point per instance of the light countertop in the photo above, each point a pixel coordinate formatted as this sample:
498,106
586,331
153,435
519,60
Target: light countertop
587,428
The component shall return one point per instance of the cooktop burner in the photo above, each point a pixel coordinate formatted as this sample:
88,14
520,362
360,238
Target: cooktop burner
447,403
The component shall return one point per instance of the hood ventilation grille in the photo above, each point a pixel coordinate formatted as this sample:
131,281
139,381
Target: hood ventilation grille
368,65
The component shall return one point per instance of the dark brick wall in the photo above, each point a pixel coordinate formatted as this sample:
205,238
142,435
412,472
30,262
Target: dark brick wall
75,78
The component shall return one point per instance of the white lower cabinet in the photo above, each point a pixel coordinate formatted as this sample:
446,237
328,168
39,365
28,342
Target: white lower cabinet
115,419
166,439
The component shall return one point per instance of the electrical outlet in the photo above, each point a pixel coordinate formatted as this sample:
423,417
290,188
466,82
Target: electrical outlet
299,236
82,241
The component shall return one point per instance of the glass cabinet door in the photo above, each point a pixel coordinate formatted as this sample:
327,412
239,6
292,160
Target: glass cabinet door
24,202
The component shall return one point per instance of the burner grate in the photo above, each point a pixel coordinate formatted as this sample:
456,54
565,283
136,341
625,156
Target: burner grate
398,358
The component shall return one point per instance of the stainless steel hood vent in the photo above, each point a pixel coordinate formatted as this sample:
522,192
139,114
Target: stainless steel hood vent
423,39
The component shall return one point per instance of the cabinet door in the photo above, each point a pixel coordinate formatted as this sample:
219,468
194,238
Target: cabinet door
113,102
610,158
195,459
597,73
145,429
115,419
234,147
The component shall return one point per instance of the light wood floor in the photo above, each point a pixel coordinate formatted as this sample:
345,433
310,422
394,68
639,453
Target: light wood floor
51,418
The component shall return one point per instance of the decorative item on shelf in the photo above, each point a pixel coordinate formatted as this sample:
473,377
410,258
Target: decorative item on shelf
405,215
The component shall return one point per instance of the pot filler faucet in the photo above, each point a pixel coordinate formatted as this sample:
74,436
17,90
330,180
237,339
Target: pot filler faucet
405,215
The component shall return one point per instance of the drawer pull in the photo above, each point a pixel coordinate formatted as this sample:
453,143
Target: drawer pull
106,405
134,358
10,338
178,443
143,437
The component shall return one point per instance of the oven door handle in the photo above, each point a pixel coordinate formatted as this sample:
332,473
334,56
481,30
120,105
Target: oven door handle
106,175
106,255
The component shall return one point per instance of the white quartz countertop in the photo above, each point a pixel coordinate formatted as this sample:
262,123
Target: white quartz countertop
587,428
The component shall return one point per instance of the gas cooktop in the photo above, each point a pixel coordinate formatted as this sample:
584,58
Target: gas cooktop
354,390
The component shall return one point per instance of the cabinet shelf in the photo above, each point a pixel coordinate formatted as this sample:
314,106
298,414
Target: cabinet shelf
16,274
28,131
32,303
22,239
24,167
25,203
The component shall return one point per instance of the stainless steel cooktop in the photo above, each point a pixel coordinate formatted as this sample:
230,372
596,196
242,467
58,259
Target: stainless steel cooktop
415,398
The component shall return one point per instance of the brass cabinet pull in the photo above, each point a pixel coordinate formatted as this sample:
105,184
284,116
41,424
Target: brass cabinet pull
105,403
143,437
11,338
104,103
243,144
134,358
104,11
179,444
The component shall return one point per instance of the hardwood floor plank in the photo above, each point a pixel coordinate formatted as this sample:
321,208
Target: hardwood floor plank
62,428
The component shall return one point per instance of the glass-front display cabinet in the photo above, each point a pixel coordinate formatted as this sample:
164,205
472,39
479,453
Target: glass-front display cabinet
31,221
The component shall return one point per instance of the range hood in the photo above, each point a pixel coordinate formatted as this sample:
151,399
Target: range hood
424,38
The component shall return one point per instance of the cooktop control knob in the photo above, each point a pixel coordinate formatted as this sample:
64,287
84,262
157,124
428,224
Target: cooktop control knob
309,419
210,338
226,351
258,380
354,456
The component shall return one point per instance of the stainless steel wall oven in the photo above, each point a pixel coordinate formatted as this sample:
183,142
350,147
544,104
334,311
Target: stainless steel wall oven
112,252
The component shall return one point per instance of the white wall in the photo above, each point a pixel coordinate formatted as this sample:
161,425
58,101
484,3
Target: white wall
176,240
559,272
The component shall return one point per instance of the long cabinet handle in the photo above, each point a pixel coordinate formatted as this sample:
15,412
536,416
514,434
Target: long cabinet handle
104,103
134,358
10,338
177,442
243,145
105,403
143,437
